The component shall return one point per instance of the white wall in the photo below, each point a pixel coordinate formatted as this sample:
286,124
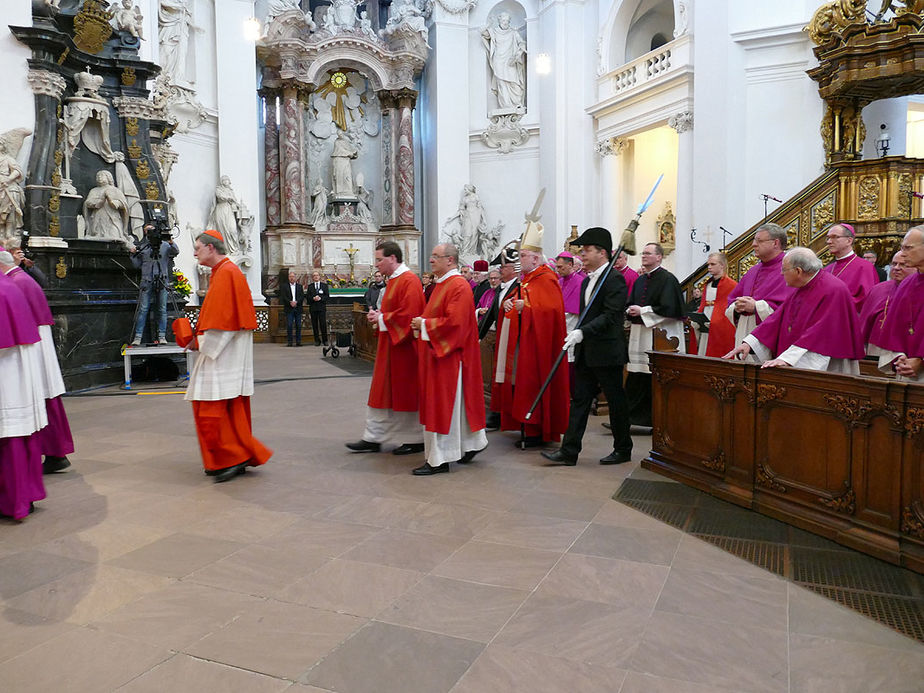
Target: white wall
18,109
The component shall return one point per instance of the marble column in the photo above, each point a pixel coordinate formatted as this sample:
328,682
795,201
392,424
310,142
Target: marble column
44,171
683,124
292,165
389,182
611,183
271,159
404,158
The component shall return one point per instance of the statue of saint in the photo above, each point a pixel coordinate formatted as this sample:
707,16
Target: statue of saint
228,216
127,17
341,168
105,210
407,16
174,21
12,197
274,8
507,58
364,205
319,210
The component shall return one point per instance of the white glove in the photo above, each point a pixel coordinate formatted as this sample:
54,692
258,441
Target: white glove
574,337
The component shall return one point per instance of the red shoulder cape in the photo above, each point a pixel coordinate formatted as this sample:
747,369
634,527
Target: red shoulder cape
227,305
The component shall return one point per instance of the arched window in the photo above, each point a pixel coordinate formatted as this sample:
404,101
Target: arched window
657,41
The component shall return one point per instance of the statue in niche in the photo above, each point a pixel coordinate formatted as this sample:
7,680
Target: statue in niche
341,168
364,201
319,209
105,210
507,59
467,226
12,196
230,217
174,22
406,17
127,17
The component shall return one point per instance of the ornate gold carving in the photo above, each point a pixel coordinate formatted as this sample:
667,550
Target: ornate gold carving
869,192
912,523
832,17
716,463
54,226
723,388
845,503
59,157
822,214
765,393
63,56
61,268
129,77
905,188
767,479
54,203
143,170
666,224
91,27
914,421
792,233
56,177
666,375
151,191
134,151
661,440
746,263
131,126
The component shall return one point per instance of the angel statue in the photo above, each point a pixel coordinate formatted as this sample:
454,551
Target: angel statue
12,197
229,216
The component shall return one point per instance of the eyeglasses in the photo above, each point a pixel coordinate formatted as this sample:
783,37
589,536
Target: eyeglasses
763,240
437,257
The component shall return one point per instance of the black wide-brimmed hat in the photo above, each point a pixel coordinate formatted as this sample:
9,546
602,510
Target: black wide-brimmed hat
507,256
595,235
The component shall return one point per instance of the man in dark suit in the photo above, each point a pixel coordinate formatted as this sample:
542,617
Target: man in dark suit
292,297
318,293
599,353
509,281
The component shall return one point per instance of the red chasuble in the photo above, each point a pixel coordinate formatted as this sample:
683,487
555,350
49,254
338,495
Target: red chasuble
394,380
453,333
875,309
819,316
228,304
721,330
858,274
533,345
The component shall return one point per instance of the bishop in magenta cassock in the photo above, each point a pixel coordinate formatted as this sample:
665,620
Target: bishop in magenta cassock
451,389
762,289
55,439
221,381
816,328
569,279
876,305
629,274
901,340
393,404
22,405
858,274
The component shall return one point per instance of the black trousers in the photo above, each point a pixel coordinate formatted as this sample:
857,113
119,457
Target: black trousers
294,323
319,324
588,382
638,389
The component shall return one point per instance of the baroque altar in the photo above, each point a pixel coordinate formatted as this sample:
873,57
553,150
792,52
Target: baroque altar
338,100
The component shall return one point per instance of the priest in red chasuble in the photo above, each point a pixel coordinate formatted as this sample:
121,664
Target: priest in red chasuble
816,328
451,389
720,338
221,381
901,341
394,395
537,329
858,274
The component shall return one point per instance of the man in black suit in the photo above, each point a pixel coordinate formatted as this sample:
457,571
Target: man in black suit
292,297
509,282
599,353
318,293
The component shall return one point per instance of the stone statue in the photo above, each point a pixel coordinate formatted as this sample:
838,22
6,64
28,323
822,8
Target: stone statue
341,15
365,26
229,216
341,168
319,210
274,8
174,21
507,58
53,4
406,17
105,210
127,17
12,197
364,205
468,224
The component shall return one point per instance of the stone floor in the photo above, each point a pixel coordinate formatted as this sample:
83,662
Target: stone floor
325,571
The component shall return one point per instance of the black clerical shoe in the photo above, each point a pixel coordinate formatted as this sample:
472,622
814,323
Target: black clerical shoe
529,442
558,457
606,425
492,423
469,457
407,449
616,458
364,446
427,470
52,464
298,344
230,473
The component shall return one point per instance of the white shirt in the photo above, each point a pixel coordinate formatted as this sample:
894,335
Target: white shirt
593,277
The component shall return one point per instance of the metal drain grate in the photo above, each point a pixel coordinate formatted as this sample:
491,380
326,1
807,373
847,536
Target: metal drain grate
768,556
674,515
904,615
798,537
851,571
738,523
657,492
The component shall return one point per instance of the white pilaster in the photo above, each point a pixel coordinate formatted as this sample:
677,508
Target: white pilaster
685,261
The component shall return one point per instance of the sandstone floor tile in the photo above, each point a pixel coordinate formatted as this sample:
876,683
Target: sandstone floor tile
177,555
453,607
479,495
696,554
382,658
735,599
72,663
618,514
648,683
104,541
519,671
20,631
448,520
629,544
184,674
351,587
407,550
533,531
498,564
713,653
177,616
822,665
580,485
25,570
621,583
291,638
407,487
89,594
259,570
562,505
324,536
581,631
372,510
244,524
